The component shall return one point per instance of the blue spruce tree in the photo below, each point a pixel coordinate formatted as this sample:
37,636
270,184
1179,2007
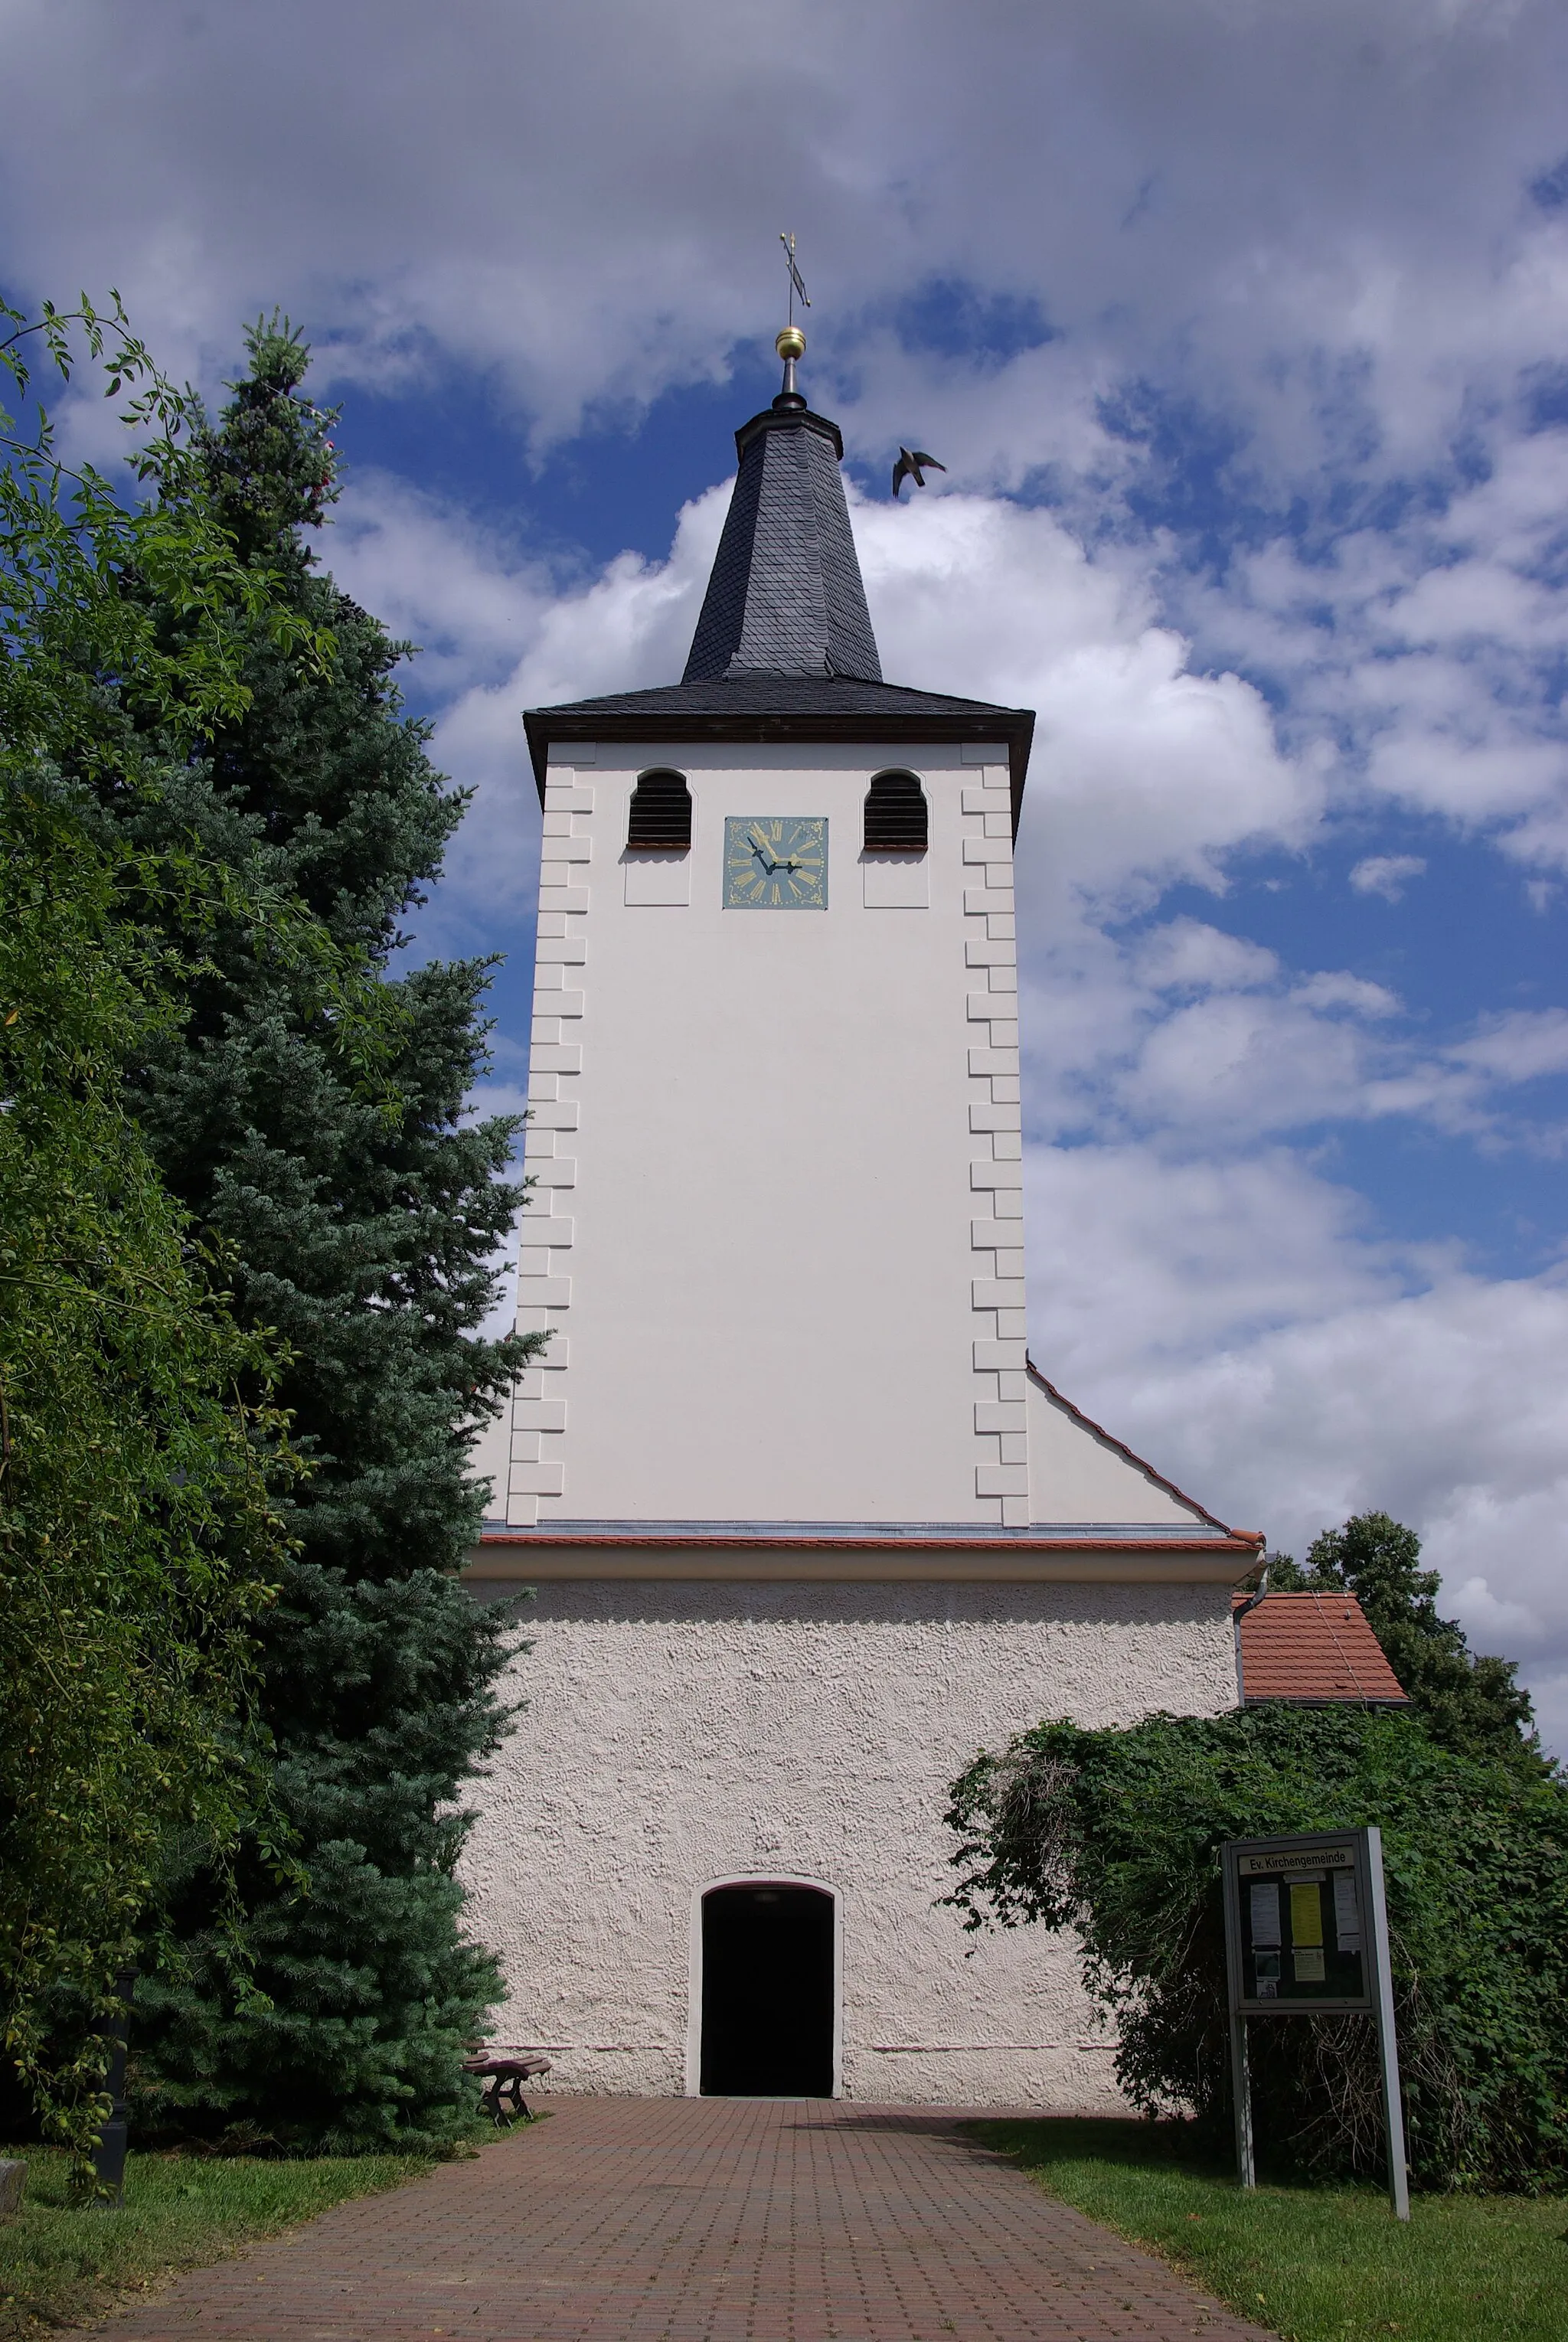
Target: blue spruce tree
362,1217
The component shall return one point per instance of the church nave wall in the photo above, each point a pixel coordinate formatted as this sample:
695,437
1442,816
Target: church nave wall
677,1734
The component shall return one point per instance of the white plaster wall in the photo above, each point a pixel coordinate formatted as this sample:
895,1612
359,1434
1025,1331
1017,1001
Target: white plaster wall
777,1237
679,1734
1078,1475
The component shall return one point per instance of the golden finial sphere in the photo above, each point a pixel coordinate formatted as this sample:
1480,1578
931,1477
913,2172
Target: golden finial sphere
791,343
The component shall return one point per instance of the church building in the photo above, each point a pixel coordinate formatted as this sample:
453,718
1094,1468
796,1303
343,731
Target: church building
807,1527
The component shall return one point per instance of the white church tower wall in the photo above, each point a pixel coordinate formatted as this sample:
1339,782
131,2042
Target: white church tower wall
777,1235
806,1528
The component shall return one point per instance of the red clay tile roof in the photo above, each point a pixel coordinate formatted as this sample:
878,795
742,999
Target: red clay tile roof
1312,1647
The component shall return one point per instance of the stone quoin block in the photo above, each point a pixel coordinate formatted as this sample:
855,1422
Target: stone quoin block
998,1414
538,1480
549,1292
1002,1479
997,1291
539,1414
985,1235
539,1229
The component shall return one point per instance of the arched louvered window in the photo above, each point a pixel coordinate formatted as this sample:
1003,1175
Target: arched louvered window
661,812
895,814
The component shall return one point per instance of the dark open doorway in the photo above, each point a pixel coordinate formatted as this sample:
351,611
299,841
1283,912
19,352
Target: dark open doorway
767,1992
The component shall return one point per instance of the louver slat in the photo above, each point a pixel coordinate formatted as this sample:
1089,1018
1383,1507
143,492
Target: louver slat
661,813
895,814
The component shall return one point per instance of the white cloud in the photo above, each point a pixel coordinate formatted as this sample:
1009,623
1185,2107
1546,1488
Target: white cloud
1334,989
1238,1324
1428,653
1143,772
1387,874
460,592
1186,955
1311,210
1520,1047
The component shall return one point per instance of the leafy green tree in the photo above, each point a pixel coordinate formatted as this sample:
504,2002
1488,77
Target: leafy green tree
140,1535
1116,1834
364,1228
1471,1704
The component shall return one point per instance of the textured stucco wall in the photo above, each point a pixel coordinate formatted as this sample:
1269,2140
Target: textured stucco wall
680,1734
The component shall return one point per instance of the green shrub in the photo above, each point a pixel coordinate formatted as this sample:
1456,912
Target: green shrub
1116,1833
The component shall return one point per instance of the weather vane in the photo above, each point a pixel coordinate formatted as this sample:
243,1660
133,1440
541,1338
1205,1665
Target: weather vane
791,344
796,281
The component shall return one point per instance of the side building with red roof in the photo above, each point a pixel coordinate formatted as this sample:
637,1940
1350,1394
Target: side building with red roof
1310,1649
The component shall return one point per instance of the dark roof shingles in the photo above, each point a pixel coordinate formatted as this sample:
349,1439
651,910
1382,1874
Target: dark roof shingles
783,647
786,596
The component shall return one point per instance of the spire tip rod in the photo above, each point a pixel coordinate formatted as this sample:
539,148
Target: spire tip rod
791,343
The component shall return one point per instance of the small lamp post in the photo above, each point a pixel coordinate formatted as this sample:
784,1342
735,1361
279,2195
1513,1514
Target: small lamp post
109,2155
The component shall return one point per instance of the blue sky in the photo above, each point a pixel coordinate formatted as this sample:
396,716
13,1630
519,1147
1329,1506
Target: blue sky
1242,328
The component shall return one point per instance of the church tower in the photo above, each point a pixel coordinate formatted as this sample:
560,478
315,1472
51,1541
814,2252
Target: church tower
805,1524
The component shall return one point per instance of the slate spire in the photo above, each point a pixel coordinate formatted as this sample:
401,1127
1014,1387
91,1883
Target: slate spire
786,596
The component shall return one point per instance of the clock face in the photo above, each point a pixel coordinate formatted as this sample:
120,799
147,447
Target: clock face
776,862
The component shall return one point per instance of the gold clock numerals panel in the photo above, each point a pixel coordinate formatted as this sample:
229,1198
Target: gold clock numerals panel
776,862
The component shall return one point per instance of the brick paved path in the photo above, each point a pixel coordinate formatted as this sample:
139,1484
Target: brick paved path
698,2220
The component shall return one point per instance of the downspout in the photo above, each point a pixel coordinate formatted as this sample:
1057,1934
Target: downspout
1250,1604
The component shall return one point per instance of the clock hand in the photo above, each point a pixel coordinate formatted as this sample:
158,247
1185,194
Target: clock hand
765,851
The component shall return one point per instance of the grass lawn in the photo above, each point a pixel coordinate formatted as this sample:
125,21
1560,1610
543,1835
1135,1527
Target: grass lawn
63,2263
1316,2264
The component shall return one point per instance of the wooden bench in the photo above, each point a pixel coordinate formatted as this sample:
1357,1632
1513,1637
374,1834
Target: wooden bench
504,2078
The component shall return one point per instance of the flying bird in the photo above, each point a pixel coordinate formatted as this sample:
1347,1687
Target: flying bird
908,469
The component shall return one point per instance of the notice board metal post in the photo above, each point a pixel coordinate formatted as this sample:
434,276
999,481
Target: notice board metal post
1311,1938
1387,2040
1240,2074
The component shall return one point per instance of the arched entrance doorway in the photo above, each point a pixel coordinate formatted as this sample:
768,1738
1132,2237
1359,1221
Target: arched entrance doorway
767,1991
